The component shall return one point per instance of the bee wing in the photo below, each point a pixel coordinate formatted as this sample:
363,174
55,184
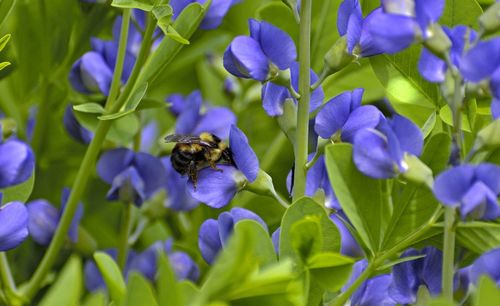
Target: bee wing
187,139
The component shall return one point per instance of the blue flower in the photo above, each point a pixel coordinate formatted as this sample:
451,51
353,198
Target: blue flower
372,292
274,95
349,246
495,108
43,219
472,188
343,116
379,153
178,197
216,12
93,72
350,23
217,188
192,121
260,56
17,162
486,264
147,262
13,225
408,276
134,176
432,68
214,234
399,23
74,128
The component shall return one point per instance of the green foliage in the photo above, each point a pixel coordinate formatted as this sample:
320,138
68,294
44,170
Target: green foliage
112,277
130,104
20,192
139,291
68,286
487,292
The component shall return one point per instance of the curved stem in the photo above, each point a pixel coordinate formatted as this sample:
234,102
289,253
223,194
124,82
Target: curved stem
80,182
126,225
8,284
143,222
302,134
283,202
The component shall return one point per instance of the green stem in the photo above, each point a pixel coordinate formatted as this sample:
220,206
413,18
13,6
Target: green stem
9,286
283,202
301,145
143,222
448,252
81,179
126,225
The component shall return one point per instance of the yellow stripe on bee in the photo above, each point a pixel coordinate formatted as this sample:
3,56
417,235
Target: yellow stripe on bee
206,137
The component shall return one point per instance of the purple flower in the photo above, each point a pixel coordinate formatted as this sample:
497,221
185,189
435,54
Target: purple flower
349,245
379,153
214,234
216,12
408,276
147,262
17,162
372,292
74,128
43,219
217,188
14,225
399,23
486,264
178,197
93,72
472,188
432,68
134,176
495,108
191,121
343,116
350,23
260,56
273,95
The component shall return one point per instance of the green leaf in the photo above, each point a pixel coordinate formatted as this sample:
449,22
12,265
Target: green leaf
330,270
148,103
429,125
458,12
487,292
20,192
6,7
447,117
163,14
479,236
122,130
91,108
307,238
168,290
398,261
409,93
3,65
185,24
112,276
3,41
68,287
95,299
307,209
172,33
130,105
437,152
189,291
145,5
248,248
139,291
368,211
488,138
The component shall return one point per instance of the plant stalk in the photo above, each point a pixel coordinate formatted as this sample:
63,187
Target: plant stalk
302,133
126,226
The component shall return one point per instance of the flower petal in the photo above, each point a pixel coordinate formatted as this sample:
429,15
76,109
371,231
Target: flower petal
487,264
215,188
432,269
428,11
14,225
217,121
495,108
273,97
473,66
275,237
389,38
367,44
17,163
74,128
371,154
451,185
367,116
209,240
244,58
127,186
333,115
405,282
475,201
114,162
349,245
151,171
95,74
189,117
178,198
227,221
490,175
243,155
43,219
184,266
277,45
408,134
317,95
431,67
216,12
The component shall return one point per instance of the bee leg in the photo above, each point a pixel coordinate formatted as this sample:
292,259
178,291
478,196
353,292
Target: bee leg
213,165
193,173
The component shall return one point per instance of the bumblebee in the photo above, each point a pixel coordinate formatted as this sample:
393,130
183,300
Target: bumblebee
192,153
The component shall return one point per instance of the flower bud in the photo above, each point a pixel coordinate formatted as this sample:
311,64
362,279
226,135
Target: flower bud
338,56
437,41
288,121
490,20
263,185
417,172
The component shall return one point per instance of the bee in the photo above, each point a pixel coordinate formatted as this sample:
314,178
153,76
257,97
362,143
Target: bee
193,153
